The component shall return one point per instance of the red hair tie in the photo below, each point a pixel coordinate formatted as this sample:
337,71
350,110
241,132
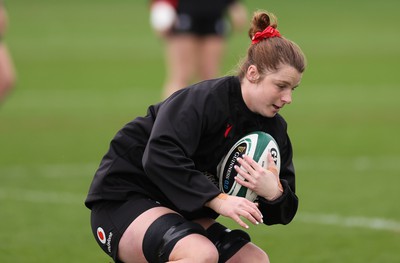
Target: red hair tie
267,33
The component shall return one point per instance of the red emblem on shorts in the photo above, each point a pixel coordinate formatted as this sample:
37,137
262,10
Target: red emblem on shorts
101,235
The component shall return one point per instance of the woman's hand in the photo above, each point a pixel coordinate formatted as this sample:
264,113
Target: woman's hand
236,207
265,182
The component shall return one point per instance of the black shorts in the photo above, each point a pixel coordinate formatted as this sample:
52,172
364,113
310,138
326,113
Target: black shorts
200,26
110,219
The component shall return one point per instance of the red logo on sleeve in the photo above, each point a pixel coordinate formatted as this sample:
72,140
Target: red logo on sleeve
228,129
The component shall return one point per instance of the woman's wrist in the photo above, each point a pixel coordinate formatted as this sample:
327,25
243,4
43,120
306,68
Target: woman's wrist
216,200
276,194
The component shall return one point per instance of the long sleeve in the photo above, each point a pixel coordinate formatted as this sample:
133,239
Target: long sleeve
182,123
283,209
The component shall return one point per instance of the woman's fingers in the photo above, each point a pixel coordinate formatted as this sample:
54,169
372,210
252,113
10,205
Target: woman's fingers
242,208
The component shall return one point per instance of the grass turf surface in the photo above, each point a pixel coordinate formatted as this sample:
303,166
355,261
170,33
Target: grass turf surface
87,67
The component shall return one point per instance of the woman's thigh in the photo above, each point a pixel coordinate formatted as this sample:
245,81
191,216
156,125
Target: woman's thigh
211,52
160,234
182,57
111,219
130,246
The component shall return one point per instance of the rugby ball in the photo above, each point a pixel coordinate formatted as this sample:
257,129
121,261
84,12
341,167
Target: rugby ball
256,145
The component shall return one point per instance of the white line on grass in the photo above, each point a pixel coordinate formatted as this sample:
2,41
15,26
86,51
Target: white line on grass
349,221
31,196
387,163
324,163
85,170
65,198
69,170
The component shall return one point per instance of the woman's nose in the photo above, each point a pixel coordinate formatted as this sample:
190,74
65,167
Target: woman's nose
287,97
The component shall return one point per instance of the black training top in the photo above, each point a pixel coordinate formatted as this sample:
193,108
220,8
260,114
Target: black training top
166,153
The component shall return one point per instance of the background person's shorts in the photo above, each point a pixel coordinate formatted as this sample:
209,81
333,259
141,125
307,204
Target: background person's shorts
200,26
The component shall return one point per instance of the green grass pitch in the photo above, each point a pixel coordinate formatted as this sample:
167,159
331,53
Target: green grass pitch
86,67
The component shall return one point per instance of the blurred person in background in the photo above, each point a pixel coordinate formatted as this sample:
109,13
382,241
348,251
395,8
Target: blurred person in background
194,33
7,74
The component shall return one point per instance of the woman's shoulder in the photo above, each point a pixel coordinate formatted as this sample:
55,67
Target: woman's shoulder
218,82
219,87
279,118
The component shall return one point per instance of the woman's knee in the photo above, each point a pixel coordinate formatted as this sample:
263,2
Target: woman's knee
195,248
249,253
260,256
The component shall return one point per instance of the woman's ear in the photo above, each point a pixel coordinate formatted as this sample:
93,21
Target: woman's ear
252,74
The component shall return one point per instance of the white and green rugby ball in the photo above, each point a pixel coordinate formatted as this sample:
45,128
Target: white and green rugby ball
256,145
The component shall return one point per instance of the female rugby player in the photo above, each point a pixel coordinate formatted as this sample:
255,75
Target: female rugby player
151,198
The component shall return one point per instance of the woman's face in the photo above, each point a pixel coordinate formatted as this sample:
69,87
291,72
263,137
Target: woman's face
267,96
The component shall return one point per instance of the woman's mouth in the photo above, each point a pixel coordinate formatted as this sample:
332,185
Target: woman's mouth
276,107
